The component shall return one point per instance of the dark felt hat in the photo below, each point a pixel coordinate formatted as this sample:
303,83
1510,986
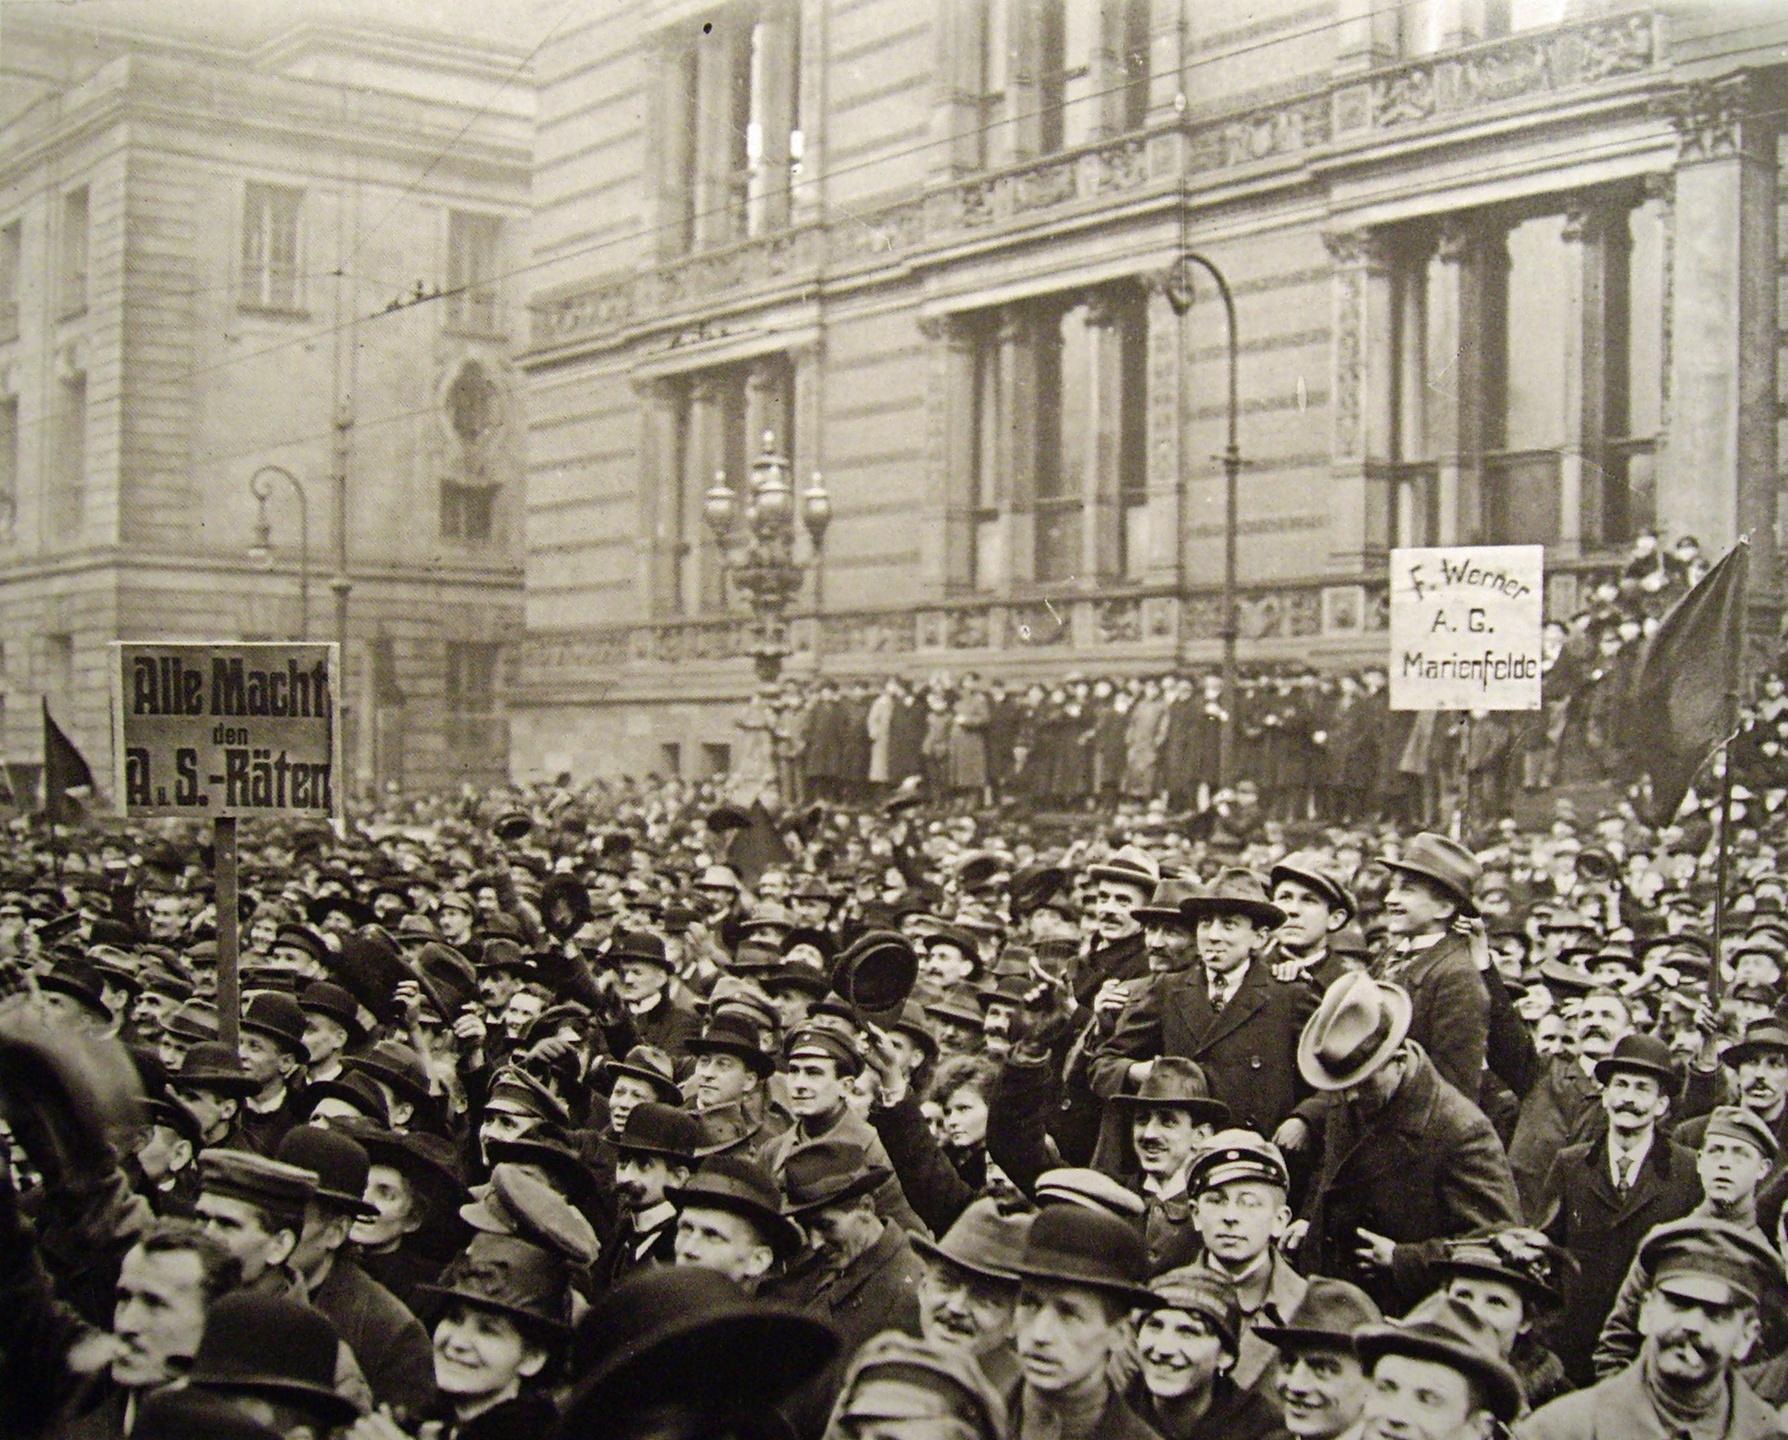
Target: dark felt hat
1768,1035
277,1017
79,980
1163,906
1235,891
1075,1245
371,967
731,1033
1441,862
643,1062
688,1333
358,912
655,1129
641,945
1643,1055
1177,1083
983,1239
393,1063
828,1172
337,1160
1328,1317
740,1186
1442,1330
209,1065
352,1087
275,1346
321,997
510,1276
1312,870
877,973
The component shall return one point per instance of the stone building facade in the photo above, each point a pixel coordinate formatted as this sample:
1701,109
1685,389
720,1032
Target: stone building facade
202,242
1504,271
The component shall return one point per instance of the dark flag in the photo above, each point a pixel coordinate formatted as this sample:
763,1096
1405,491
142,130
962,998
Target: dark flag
752,842
65,770
1683,700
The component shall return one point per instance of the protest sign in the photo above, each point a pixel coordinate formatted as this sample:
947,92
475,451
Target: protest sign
1465,627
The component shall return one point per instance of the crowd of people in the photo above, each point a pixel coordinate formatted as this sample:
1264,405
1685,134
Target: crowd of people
1315,744
621,1111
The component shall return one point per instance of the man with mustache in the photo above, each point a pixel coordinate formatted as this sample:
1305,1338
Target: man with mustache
1705,1283
654,1153
969,1287
1563,1105
1602,1196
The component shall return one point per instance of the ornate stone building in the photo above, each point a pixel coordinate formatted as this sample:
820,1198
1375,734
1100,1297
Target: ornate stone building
206,220
1505,271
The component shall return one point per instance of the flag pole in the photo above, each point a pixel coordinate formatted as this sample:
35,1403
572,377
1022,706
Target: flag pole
1716,980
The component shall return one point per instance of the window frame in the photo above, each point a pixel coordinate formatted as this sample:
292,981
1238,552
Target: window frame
254,276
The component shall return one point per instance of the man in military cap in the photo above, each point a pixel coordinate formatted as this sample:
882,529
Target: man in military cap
1705,1282
823,1063
1239,1185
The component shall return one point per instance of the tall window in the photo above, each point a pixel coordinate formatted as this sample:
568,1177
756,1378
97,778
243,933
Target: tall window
68,455
11,241
473,260
469,695
1056,423
727,108
270,268
73,252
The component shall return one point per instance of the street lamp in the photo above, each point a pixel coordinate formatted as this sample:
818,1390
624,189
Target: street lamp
1179,297
260,485
757,546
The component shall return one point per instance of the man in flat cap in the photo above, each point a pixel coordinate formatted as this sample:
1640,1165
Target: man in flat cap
254,1207
1705,1283
1435,1375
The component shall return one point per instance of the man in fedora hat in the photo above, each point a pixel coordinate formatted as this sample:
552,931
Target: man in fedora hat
730,1218
733,1068
387,1340
1404,1157
1081,1278
1226,1012
860,1273
1601,1197
1317,905
654,1154
1167,1122
970,1286
1318,1379
1118,887
1431,891
211,1085
1705,1284
1435,1375
684,1352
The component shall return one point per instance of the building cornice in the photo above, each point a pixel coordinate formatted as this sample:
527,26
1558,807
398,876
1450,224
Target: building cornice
1571,76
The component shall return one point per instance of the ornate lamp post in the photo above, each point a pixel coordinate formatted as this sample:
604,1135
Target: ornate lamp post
757,546
260,485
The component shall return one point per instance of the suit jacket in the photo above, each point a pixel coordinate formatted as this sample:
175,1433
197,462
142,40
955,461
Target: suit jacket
1427,1167
1619,1409
1582,1211
1249,1052
1561,1109
1449,1009
393,1349
623,1256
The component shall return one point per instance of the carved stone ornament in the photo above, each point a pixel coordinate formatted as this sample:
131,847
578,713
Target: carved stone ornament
1711,118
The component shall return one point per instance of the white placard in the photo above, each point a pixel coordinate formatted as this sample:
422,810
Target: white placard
1465,627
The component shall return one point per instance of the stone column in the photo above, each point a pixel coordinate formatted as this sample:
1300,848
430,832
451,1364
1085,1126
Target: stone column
663,508
1719,470
1365,35
1107,67
1595,369
1467,415
1101,505
1363,391
774,109
715,54
1166,435
807,188
961,89
767,407
702,584
671,136
947,521
1021,137
1167,41
1019,339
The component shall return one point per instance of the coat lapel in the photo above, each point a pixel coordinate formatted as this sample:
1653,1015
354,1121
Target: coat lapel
1249,998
